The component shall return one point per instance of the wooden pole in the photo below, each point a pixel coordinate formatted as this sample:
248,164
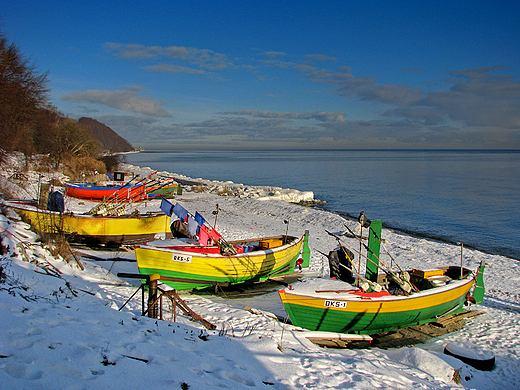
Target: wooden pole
142,298
216,215
152,296
461,259
128,300
160,307
359,258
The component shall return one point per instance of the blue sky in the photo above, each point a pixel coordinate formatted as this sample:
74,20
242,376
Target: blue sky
365,74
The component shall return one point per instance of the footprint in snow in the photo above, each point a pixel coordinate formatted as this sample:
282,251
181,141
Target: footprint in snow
33,332
21,371
20,343
234,376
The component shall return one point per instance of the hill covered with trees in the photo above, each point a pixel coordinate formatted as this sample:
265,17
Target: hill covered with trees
31,125
108,138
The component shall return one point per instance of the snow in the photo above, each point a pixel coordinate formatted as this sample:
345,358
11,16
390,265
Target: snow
61,327
469,351
229,188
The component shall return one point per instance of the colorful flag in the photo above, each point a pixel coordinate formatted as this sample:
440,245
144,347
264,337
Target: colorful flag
214,235
193,226
180,212
199,218
166,207
204,238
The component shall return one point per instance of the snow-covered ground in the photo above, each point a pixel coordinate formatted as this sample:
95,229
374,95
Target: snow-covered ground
64,330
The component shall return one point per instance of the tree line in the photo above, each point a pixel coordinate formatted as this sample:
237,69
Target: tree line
28,121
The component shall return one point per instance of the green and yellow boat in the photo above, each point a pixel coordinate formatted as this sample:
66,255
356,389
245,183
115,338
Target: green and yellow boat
338,306
186,267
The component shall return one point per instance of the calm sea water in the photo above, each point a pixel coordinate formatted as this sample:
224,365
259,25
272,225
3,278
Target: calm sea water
467,196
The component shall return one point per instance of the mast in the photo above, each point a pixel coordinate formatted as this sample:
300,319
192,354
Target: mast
374,248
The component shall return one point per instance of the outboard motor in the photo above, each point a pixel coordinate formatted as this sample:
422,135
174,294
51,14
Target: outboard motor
56,202
340,266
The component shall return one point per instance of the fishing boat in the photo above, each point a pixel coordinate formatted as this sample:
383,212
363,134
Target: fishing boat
116,193
111,230
378,303
167,191
189,267
213,261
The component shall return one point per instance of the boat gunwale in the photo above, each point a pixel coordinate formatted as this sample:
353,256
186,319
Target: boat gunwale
34,209
115,187
220,256
384,299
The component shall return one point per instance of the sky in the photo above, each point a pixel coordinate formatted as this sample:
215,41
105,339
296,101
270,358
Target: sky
281,74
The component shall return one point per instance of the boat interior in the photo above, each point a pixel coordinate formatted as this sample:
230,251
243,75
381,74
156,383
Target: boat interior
242,246
423,280
393,283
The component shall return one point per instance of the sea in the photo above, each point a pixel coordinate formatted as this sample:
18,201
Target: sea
458,196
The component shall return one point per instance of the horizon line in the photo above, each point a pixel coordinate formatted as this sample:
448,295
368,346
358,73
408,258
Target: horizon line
203,149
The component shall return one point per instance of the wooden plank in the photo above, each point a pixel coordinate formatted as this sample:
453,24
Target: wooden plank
186,309
337,340
422,333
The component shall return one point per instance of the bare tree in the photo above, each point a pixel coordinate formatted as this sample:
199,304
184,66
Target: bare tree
23,93
66,139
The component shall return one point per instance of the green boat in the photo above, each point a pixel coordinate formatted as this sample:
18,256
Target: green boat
338,306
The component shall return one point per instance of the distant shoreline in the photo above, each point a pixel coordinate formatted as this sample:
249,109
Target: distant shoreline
326,150
124,153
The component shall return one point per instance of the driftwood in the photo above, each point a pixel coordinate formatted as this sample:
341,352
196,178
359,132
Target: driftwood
136,358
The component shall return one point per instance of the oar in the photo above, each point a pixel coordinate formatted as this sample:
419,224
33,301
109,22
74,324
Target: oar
132,193
112,197
116,197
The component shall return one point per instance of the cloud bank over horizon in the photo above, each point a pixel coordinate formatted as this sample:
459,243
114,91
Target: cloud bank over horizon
475,108
337,74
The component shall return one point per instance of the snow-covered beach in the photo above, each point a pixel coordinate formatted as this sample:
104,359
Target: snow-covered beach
65,331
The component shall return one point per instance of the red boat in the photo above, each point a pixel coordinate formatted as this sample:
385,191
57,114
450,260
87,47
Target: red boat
110,193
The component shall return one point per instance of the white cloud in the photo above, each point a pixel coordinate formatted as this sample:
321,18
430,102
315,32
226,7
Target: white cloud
168,68
203,58
122,99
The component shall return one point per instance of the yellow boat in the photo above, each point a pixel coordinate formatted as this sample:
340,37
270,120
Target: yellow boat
188,267
111,230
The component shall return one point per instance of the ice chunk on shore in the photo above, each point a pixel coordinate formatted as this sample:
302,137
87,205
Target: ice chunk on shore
229,188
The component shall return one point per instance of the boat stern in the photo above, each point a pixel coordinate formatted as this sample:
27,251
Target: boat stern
479,289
